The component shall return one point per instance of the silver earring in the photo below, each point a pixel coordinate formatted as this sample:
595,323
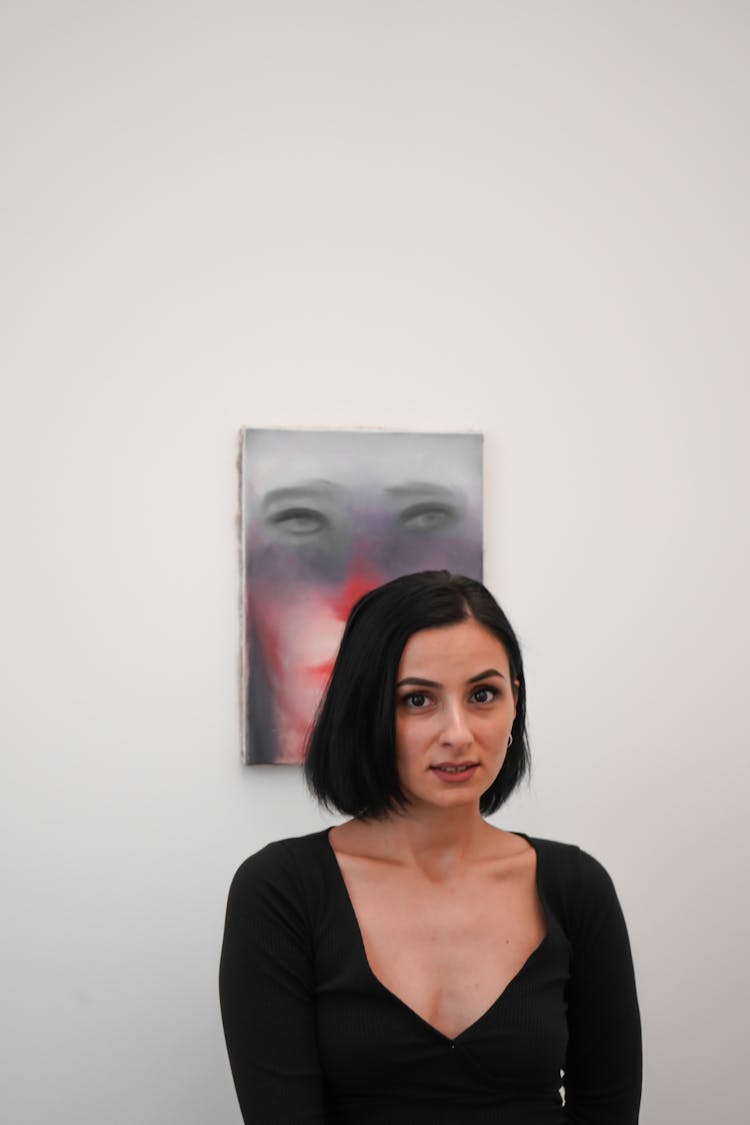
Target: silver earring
510,741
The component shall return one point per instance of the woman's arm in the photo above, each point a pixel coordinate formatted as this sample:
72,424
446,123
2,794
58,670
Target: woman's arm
267,994
603,1066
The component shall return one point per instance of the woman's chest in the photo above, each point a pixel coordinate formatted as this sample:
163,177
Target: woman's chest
448,951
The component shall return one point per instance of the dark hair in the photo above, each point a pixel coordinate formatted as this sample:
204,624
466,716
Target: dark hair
351,751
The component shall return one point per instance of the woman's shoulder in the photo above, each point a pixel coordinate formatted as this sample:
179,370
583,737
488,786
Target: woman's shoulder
289,865
567,861
575,882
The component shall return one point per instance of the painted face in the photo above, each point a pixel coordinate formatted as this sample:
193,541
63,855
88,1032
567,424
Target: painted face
329,516
455,707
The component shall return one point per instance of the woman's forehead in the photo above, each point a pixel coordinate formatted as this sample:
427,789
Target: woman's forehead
362,461
454,649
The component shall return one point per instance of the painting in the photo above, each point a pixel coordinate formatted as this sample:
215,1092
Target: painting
326,516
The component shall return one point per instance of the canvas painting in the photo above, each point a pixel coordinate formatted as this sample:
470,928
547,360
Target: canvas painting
326,516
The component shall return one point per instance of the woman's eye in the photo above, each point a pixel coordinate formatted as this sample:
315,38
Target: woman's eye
484,694
299,521
428,517
416,700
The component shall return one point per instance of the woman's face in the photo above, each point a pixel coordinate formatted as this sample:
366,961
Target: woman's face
455,706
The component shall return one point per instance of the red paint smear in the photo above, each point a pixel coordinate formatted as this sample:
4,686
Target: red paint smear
322,670
361,580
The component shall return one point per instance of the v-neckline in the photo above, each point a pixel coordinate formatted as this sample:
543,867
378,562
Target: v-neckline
394,996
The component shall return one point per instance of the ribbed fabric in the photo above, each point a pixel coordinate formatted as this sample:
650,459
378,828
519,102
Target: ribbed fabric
315,1039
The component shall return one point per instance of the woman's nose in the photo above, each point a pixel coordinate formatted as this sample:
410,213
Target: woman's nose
455,730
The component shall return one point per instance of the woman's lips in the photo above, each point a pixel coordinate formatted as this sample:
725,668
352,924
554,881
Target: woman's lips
455,771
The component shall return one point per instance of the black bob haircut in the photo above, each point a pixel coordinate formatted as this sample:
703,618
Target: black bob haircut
351,752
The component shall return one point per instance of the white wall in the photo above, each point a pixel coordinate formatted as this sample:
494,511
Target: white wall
529,219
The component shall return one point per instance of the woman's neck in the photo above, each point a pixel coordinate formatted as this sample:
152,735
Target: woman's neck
437,841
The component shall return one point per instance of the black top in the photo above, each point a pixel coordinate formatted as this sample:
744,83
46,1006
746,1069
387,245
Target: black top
314,1038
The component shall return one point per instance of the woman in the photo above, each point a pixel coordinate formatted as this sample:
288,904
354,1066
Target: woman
416,965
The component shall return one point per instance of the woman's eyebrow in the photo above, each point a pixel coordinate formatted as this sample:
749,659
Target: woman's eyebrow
420,682
485,675
428,486
311,490
413,490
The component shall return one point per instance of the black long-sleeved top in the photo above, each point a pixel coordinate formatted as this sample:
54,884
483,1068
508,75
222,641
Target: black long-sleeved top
315,1039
